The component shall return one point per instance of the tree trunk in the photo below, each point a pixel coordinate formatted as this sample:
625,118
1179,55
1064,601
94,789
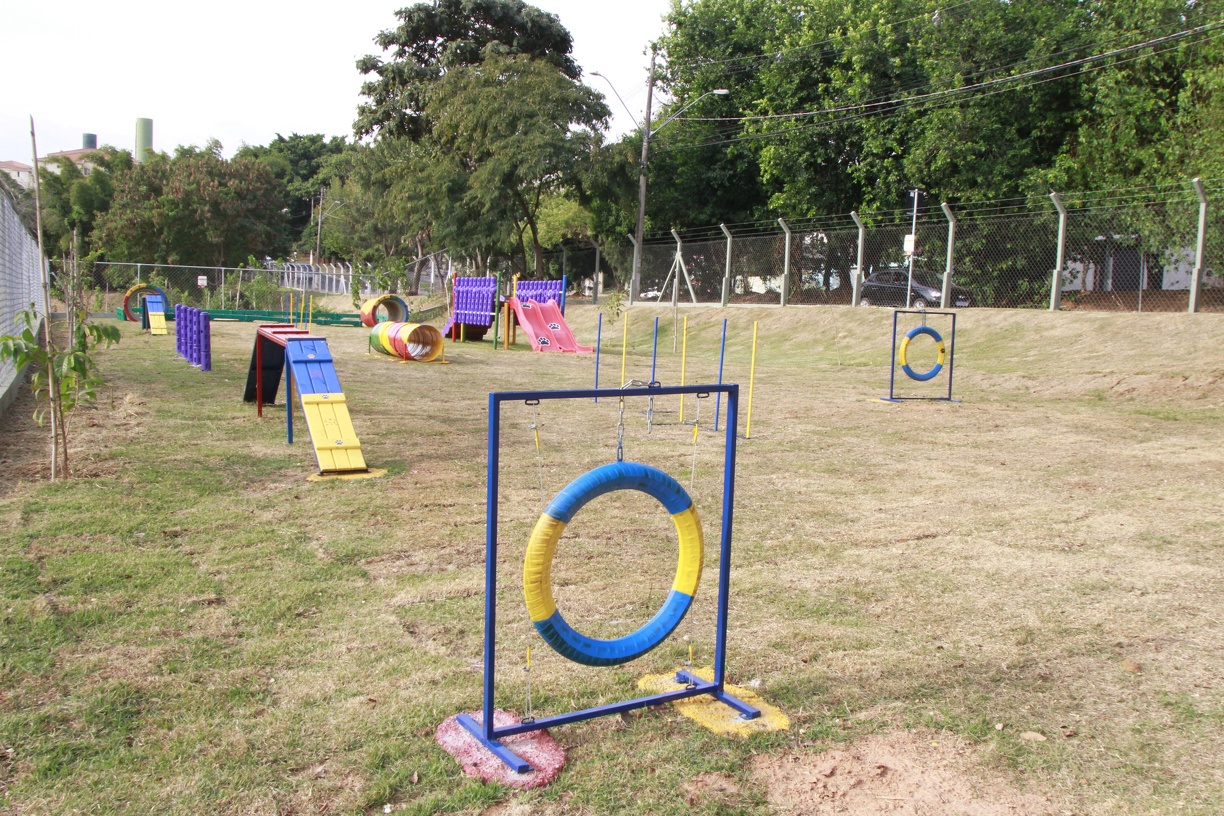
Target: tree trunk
418,266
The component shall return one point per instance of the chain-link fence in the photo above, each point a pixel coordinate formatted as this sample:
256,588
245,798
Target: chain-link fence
214,287
1132,250
20,284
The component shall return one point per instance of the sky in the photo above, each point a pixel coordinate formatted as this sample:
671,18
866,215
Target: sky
241,72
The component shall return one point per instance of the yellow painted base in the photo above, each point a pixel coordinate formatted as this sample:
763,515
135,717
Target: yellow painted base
372,473
714,716
157,323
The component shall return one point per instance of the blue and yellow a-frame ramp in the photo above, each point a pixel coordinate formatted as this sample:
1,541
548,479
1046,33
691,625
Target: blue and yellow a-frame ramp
153,315
311,368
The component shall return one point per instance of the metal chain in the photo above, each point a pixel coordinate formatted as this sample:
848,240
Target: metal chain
620,432
620,421
696,428
535,427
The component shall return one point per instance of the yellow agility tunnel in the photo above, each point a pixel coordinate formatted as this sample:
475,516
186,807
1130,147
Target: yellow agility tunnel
396,308
408,341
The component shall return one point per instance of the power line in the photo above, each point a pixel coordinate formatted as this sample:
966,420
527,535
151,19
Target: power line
1181,35
933,100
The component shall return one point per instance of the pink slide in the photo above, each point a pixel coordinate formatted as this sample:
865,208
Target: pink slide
560,329
545,327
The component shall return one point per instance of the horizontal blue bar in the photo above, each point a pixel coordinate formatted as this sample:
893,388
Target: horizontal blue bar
588,393
601,711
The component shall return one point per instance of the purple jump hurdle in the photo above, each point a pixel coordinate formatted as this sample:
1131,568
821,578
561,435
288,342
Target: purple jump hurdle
473,303
193,336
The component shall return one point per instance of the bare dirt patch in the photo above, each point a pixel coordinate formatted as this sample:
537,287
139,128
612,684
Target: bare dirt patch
890,775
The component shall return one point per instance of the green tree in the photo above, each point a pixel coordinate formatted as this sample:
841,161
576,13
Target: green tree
303,163
433,38
194,208
62,378
75,196
521,130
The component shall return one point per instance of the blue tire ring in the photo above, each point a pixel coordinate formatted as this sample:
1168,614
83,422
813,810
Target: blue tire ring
537,567
943,352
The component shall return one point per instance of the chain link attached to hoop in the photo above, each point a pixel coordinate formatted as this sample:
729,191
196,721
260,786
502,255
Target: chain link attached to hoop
535,427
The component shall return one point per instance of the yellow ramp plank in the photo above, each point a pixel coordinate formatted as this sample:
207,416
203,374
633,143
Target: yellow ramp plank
157,323
332,433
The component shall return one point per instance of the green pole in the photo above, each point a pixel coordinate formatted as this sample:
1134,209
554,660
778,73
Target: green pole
496,310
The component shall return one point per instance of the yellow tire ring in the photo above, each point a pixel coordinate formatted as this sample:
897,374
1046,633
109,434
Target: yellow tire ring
537,568
943,352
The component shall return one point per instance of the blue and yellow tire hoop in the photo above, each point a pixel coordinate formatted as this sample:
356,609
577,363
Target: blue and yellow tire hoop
537,567
138,291
943,353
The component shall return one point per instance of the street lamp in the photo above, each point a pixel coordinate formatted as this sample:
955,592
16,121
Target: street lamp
647,131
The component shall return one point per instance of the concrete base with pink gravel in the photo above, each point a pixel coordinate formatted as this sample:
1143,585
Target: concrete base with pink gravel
539,749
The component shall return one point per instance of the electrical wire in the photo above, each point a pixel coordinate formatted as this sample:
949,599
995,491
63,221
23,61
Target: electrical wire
924,102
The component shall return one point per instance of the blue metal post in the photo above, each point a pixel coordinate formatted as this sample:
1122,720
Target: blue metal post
722,354
892,366
598,343
951,355
288,397
654,352
490,665
564,286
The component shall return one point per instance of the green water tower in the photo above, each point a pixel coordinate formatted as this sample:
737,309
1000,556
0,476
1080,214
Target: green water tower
144,139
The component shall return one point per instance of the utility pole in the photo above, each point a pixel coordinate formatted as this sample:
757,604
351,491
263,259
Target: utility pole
319,235
909,287
635,283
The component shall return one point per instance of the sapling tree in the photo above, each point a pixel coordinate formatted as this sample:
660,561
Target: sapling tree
61,378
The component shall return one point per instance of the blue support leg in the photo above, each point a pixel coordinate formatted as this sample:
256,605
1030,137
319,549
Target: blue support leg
513,760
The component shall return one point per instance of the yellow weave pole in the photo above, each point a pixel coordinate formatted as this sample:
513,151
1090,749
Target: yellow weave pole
683,364
310,316
624,347
751,381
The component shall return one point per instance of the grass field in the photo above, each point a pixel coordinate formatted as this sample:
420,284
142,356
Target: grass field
1022,592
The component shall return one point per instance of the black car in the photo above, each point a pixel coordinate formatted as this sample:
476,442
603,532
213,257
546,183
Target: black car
887,288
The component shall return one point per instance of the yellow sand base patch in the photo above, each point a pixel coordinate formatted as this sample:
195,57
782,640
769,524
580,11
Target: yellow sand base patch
716,716
372,473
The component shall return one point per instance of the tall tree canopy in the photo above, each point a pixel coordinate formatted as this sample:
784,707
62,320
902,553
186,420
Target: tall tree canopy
520,130
301,162
845,104
75,196
193,208
433,38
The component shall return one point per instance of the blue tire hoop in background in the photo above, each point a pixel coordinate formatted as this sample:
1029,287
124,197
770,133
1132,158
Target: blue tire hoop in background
943,353
537,567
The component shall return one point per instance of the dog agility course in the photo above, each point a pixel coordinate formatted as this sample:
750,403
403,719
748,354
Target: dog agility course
1007,603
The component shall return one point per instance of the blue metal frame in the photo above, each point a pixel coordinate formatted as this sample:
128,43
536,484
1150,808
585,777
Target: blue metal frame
722,355
598,346
892,368
486,732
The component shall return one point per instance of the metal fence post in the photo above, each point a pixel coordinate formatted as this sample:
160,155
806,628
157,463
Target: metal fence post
946,297
726,287
1060,257
1196,277
786,264
598,276
857,279
638,279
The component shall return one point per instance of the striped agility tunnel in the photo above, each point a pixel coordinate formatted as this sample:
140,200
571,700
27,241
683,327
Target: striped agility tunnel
408,341
394,305
537,568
